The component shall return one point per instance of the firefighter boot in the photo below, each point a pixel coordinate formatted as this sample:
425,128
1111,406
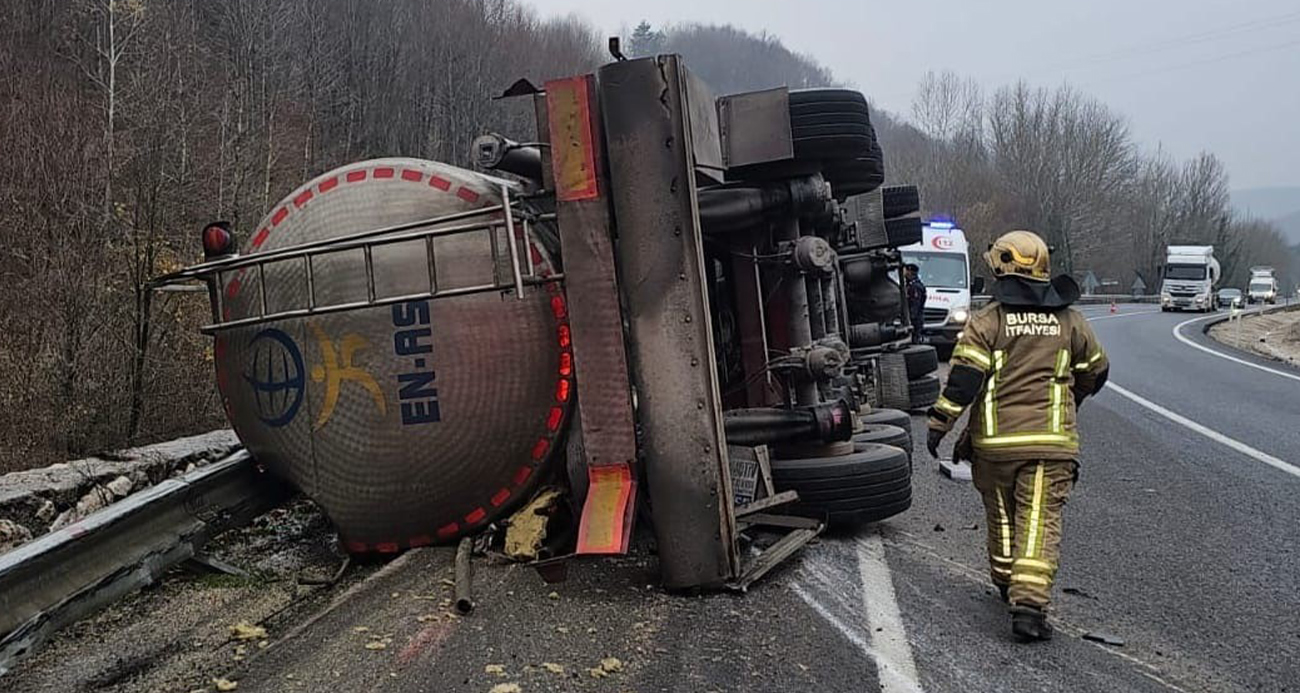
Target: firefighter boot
1029,624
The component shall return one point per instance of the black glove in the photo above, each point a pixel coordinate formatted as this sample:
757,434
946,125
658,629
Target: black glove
932,442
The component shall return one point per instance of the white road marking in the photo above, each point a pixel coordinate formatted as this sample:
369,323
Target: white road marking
849,633
888,636
877,630
1178,334
1210,433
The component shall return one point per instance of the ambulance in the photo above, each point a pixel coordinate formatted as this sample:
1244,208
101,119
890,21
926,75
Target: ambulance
943,257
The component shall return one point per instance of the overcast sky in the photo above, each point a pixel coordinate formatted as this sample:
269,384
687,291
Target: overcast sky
1191,75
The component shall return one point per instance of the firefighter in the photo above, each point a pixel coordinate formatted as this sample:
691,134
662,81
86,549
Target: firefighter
1023,365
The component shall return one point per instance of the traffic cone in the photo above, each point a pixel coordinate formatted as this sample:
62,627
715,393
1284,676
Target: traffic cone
1113,308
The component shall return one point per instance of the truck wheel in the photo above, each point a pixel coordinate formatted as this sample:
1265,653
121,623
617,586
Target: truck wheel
900,200
924,391
855,177
885,434
799,97
832,147
921,359
890,417
904,230
872,483
891,372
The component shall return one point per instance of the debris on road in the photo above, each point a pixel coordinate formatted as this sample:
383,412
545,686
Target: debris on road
608,665
247,631
494,670
1079,593
464,576
1104,638
553,668
527,529
506,688
225,684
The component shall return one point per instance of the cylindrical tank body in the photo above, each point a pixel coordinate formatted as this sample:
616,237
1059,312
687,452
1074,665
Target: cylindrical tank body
410,423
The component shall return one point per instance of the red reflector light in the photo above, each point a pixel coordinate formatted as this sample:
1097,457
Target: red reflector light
562,391
218,240
566,364
540,448
566,337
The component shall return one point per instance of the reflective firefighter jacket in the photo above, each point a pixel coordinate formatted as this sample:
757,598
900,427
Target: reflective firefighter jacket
1022,370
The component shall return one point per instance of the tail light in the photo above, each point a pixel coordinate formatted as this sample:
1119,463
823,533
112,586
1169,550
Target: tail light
218,240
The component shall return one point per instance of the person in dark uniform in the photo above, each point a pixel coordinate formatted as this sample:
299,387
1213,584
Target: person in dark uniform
915,299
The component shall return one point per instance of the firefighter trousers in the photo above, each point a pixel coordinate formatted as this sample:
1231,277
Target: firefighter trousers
1023,501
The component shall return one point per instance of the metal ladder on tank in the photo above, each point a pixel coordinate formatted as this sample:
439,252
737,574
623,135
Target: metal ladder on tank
483,220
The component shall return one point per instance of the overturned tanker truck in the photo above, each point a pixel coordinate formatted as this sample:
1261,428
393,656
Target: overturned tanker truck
669,300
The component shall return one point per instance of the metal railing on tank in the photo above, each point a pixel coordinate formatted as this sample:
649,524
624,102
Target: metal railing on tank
493,221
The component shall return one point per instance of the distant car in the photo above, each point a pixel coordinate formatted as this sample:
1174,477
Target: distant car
1229,297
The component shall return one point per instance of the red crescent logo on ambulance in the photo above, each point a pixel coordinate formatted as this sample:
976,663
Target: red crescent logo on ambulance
942,242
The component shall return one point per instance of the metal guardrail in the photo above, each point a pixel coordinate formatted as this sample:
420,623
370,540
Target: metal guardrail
70,573
1093,299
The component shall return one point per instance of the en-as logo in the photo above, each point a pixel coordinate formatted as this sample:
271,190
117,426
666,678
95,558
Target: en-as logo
276,376
943,242
336,367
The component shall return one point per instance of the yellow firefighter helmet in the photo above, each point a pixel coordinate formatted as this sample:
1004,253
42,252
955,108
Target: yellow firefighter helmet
1020,254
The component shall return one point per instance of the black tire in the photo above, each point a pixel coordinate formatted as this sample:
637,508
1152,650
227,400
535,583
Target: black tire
900,200
924,391
867,461
850,520
829,108
861,175
840,129
870,484
890,417
858,498
921,359
885,434
905,230
895,386
799,97
850,117
833,147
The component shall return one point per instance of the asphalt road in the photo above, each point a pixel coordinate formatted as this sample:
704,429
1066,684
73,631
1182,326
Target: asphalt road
1177,544
1180,541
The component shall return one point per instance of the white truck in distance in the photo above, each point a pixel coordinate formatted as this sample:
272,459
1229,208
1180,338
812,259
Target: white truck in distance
943,258
1190,275
1262,287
